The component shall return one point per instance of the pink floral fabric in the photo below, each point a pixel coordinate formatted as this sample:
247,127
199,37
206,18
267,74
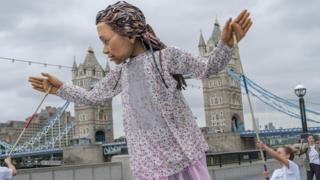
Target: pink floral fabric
162,134
196,171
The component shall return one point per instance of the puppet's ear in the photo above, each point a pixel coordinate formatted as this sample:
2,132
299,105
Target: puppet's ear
132,39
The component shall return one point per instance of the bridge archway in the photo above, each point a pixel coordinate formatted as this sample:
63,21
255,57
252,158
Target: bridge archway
236,124
100,137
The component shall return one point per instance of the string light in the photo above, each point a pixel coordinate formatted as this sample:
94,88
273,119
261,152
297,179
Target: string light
29,62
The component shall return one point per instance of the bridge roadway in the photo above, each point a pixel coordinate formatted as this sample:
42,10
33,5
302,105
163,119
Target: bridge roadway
108,148
115,146
34,153
276,132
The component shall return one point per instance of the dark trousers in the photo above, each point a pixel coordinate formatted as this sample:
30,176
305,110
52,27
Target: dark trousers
314,170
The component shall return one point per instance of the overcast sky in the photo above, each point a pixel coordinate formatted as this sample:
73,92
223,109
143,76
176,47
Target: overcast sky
280,51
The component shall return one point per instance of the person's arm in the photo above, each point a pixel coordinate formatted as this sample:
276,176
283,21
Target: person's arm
181,62
11,166
273,153
103,90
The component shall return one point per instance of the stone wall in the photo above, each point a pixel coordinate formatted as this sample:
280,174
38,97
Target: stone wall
228,142
83,154
105,171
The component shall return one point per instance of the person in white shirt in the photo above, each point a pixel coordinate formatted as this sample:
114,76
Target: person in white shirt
6,173
312,160
285,155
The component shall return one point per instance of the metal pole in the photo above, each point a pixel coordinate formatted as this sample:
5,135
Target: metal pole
256,129
29,121
303,118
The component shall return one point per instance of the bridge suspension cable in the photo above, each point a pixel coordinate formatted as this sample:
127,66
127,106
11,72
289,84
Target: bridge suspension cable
276,102
29,121
45,129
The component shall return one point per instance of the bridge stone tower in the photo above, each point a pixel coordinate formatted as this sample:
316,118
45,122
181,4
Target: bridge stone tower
93,124
222,94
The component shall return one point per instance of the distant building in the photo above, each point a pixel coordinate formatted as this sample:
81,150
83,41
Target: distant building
269,126
223,102
10,131
93,124
222,94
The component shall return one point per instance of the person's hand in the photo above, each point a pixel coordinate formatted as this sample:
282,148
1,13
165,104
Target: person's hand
43,83
265,174
260,144
240,26
8,160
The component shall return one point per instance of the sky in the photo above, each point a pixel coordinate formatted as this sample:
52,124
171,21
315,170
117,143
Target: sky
280,51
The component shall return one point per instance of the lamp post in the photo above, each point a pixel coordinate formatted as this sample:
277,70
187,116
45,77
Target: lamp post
300,91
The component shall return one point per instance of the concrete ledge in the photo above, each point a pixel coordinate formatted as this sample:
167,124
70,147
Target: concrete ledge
83,154
124,159
103,171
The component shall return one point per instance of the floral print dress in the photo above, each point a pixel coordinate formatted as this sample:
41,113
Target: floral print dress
162,135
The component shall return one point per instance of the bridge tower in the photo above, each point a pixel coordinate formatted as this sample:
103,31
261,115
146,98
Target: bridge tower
93,124
222,94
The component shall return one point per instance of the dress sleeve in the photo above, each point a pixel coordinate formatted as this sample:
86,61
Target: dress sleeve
102,91
181,62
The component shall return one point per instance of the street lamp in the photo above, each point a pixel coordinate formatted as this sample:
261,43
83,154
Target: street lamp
300,91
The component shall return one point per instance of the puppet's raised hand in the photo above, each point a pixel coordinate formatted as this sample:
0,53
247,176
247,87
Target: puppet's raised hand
239,26
226,35
43,83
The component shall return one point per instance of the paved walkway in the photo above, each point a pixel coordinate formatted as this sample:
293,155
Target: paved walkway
302,173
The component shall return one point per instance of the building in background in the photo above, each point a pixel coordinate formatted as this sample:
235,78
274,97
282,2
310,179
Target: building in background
93,124
10,131
221,93
269,126
223,102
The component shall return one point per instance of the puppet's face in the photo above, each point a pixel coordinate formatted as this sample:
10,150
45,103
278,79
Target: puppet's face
117,47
